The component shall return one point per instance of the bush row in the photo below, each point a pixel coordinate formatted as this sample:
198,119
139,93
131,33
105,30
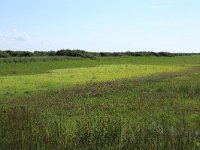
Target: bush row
85,54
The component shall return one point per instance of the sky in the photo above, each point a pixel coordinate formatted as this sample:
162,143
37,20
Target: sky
100,25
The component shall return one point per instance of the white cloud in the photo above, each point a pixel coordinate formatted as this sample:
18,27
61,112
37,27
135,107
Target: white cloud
15,36
46,42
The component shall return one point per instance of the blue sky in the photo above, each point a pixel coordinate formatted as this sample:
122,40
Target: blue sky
100,25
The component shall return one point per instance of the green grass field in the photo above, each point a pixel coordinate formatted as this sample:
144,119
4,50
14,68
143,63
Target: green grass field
18,85
104,103
26,66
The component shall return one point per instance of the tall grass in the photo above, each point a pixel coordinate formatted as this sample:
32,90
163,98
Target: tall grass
29,132
155,112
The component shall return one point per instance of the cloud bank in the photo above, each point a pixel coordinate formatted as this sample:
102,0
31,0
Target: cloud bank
15,36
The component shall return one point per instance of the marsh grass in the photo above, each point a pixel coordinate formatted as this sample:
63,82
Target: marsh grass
20,85
146,111
99,132
38,65
156,112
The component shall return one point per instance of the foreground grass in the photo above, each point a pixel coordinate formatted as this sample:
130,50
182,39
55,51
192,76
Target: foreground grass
156,112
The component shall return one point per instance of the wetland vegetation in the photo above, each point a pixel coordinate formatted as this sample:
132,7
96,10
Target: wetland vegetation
125,102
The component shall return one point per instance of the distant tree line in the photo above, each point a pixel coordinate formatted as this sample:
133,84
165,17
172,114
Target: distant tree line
85,54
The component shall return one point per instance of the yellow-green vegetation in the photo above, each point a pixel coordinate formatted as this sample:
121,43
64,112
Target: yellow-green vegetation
25,84
112,103
24,66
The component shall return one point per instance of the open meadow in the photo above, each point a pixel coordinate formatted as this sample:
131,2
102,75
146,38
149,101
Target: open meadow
100,103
